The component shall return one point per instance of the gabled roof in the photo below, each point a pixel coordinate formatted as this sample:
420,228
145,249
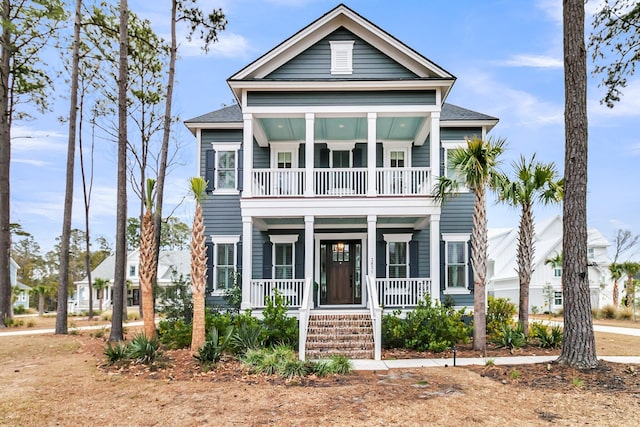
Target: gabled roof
341,16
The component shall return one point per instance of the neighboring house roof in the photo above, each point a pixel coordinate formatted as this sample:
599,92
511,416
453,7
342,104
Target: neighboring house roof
233,114
502,246
167,262
23,287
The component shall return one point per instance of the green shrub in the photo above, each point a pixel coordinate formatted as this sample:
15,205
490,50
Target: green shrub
321,368
292,368
279,328
175,334
500,313
428,327
222,321
143,349
547,337
247,336
175,301
214,346
510,337
21,309
608,312
341,365
116,353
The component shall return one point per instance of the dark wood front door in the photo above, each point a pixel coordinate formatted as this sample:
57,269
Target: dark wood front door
340,264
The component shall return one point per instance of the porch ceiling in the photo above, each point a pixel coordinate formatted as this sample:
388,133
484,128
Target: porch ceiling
342,129
344,222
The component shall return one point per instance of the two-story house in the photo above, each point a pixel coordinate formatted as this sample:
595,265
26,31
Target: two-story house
320,179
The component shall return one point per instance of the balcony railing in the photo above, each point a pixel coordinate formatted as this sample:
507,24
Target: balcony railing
402,292
265,289
347,182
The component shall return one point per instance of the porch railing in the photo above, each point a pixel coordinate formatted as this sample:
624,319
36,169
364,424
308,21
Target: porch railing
402,292
303,318
376,317
340,182
403,182
278,182
265,289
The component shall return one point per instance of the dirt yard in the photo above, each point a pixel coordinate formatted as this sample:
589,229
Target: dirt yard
52,380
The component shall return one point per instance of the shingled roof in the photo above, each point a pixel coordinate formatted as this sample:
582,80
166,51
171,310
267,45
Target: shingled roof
233,114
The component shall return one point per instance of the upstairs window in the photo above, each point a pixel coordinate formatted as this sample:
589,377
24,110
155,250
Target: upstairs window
341,57
226,169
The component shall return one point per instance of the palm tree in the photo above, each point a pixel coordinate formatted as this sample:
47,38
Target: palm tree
533,181
198,264
476,168
148,263
630,268
616,274
41,291
100,285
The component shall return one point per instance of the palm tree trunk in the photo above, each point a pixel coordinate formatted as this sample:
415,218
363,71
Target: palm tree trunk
525,259
616,293
479,266
147,273
198,278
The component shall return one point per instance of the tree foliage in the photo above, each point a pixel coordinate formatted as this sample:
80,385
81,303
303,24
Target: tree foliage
615,46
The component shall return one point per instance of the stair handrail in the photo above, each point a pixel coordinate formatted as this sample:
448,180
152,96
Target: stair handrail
376,316
303,318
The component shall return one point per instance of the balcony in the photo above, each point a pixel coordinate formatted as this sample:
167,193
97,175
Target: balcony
351,182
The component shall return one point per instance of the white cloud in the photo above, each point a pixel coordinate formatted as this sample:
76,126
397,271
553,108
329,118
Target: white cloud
26,139
30,162
513,106
628,106
535,61
229,45
552,8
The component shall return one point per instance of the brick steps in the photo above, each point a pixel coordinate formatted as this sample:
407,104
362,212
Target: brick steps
349,335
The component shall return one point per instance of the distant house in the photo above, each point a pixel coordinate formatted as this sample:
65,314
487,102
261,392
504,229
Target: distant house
168,263
321,178
23,296
545,291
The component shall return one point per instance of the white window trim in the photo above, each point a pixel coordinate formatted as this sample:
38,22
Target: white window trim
218,240
456,237
398,238
448,146
555,299
224,148
285,239
280,147
389,146
342,47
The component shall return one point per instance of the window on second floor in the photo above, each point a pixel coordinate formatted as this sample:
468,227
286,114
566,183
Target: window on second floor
591,253
132,271
226,169
449,170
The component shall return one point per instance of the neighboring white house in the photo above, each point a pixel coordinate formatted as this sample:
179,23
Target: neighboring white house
169,261
545,290
23,296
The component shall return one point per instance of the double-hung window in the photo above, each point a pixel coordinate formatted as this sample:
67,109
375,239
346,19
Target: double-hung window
284,256
456,263
397,255
226,167
225,259
449,169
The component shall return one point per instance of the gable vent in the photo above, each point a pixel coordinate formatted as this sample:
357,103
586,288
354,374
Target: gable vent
341,57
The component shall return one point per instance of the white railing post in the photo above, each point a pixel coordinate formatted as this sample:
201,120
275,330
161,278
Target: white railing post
376,317
303,318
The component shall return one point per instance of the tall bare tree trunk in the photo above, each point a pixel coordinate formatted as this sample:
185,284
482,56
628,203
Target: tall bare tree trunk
166,133
63,284
119,283
479,265
578,349
525,258
5,162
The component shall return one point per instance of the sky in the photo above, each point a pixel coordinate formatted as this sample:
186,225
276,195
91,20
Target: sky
506,55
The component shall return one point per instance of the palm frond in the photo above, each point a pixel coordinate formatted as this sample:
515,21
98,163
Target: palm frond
197,189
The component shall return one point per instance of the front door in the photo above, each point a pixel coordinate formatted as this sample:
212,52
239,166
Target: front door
341,272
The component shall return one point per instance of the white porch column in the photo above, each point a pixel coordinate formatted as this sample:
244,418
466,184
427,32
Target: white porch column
308,154
308,247
435,147
247,265
434,262
371,153
371,245
247,146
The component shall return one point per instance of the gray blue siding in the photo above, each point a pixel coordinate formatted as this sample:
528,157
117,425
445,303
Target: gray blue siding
332,98
315,62
459,134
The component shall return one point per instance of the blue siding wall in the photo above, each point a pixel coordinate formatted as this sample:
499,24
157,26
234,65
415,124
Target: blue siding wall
420,155
459,134
315,62
332,98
